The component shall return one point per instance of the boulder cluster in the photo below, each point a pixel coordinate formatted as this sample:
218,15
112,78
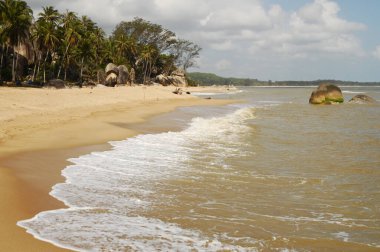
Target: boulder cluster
118,75
331,94
176,78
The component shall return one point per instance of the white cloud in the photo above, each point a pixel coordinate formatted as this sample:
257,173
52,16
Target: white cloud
222,46
376,52
241,31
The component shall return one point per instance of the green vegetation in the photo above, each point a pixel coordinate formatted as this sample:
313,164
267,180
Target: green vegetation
207,79
69,47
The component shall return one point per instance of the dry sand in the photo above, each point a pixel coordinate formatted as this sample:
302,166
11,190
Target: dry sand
41,128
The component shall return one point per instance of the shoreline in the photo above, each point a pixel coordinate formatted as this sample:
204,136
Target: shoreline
40,141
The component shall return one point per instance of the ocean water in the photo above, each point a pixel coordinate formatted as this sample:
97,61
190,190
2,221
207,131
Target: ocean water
270,174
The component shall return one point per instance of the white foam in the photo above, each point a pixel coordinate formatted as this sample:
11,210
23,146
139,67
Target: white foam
108,192
352,92
342,236
94,230
219,93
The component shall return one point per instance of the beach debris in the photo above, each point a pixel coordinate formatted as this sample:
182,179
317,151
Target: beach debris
178,91
56,83
326,94
362,99
208,98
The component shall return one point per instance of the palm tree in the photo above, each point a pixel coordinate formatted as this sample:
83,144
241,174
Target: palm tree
71,26
47,32
85,47
127,48
16,19
147,56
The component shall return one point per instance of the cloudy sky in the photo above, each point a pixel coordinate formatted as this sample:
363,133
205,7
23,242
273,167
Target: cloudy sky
264,39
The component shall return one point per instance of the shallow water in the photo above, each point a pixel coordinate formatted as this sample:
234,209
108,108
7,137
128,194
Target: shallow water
274,173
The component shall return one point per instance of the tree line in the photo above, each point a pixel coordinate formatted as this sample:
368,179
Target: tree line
66,46
208,79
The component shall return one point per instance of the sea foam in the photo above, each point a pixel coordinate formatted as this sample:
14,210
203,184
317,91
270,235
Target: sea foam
108,192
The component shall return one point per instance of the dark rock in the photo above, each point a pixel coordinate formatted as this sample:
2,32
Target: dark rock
178,91
362,99
56,83
326,94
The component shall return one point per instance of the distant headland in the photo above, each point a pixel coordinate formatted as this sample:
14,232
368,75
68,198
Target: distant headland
207,79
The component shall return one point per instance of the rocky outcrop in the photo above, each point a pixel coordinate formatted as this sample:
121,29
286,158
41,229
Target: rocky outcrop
176,78
56,83
116,75
123,75
326,94
362,99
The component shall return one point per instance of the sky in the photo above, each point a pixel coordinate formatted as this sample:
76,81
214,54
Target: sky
260,39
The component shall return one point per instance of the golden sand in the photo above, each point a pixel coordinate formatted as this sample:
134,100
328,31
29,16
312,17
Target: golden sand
41,128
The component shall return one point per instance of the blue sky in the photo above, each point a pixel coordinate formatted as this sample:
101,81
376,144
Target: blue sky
264,39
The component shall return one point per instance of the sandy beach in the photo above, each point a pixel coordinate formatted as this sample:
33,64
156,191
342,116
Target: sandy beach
41,128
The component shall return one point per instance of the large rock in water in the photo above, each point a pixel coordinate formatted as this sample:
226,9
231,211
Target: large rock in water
56,83
123,76
362,99
326,94
111,68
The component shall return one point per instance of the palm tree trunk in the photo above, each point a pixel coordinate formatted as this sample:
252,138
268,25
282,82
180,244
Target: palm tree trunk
66,67
34,71
1,61
39,65
13,65
47,54
81,69
145,67
63,61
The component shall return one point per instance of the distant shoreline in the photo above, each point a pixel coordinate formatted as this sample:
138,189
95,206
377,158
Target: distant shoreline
208,79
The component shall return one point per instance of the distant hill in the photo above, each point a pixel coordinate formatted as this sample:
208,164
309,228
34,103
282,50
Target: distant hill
208,79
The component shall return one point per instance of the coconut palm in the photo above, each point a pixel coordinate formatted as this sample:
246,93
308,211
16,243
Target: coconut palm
47,33
71,26
147,55
16,19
